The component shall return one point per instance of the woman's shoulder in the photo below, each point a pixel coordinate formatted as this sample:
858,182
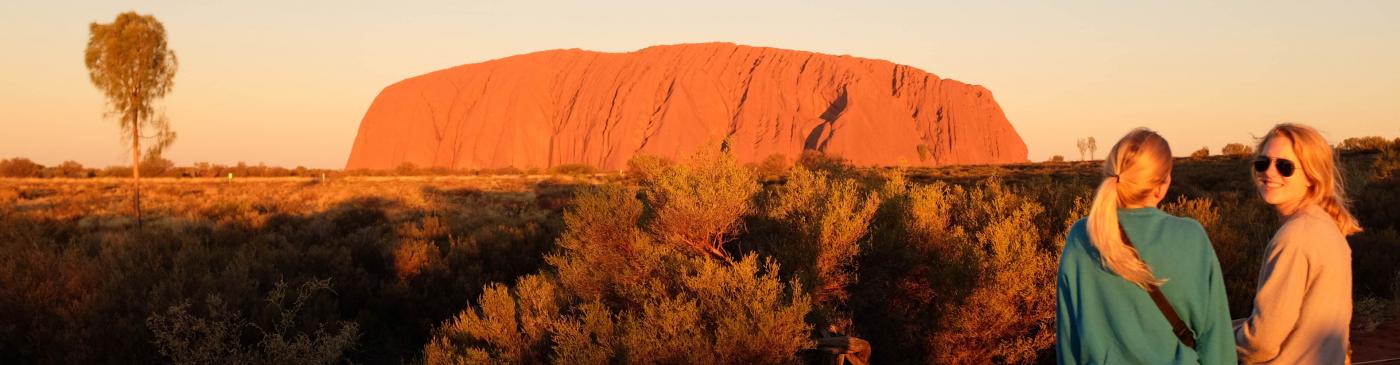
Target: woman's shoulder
1077,237
1182,225
1188,231
1310,228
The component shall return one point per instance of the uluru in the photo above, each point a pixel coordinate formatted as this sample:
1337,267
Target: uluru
573,106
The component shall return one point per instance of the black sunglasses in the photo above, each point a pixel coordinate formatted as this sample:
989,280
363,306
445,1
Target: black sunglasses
1285,167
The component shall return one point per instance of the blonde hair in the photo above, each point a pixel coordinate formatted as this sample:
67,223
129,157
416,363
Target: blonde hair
1319,165
1140,162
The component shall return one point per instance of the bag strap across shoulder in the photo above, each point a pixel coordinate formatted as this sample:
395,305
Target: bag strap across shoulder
1179,327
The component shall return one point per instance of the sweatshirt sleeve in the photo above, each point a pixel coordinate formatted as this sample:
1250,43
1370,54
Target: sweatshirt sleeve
1215,337
1064,323
1278,303
1066,340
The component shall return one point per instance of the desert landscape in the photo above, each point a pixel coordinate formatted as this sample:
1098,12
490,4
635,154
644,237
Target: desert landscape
669,198
946,265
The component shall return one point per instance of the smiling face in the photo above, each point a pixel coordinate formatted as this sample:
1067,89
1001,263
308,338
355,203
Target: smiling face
1283,192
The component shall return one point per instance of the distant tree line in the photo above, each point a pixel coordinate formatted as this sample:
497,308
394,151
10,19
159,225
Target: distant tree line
20,167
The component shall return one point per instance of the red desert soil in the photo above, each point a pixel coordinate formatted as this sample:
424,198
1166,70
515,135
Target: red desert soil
573,106
1381,344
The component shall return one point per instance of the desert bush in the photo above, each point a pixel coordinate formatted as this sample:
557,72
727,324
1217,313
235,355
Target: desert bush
80,286
1369,313
573,169
957,275
773,167
218,336
68,169
951,267
1008,316
1386,166
719,313
1368,143
818,222
1201,153
698,205
115,171
153,165
1236,149
628,286
20,167
834,165
642,164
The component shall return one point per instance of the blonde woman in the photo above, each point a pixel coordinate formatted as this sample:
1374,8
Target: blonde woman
1302,309
1138,285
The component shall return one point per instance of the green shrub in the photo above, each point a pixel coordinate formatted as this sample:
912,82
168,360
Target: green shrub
629,285
1369,313
820,161
217,336
774,167
958,275
698,205
819,223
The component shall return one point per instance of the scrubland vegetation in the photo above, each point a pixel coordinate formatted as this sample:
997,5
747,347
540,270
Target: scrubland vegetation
694,261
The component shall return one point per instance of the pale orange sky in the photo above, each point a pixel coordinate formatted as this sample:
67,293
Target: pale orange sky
286,83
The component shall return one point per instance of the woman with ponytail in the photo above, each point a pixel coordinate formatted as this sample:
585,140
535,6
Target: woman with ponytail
1302,308
1138,285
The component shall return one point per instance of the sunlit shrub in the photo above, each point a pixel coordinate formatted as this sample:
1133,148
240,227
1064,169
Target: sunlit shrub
628,287
698,205
821,221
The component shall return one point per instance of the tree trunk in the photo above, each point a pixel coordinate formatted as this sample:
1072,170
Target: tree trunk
135,120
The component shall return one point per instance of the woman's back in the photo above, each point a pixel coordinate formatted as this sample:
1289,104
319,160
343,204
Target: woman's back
1105,319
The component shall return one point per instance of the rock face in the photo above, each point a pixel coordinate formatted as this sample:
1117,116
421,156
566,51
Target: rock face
572,106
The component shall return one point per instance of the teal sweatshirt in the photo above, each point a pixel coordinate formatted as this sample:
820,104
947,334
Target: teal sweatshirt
1100,318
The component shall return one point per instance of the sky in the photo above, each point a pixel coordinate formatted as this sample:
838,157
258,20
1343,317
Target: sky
286,83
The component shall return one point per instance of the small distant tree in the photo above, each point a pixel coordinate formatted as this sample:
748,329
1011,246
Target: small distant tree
1236,149
1093,146
154,165
1083,145
20,167
1201,153
128,61
1057,158
71,169
1369,143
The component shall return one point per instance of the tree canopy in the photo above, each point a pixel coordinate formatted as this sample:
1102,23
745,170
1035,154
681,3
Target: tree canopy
130,62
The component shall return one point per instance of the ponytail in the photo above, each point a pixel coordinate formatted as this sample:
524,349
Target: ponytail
1140,153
